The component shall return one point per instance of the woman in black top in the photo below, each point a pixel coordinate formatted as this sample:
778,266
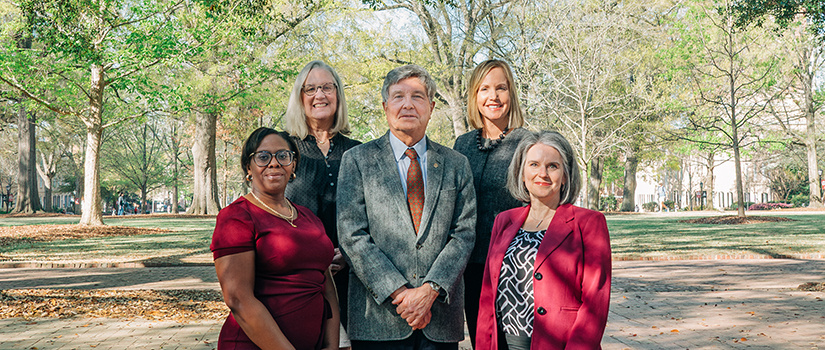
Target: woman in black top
316,118
493,111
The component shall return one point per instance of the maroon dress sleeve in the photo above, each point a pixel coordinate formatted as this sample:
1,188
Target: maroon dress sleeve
234,230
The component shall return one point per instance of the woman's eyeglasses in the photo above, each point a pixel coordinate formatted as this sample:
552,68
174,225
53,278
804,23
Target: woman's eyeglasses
284,157
311,90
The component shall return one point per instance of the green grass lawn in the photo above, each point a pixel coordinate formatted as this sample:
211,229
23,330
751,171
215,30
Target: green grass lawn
664,237
640,236
188,243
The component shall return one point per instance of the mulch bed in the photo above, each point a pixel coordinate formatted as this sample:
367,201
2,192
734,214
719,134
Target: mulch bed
44,233
735,220
176,305
812,287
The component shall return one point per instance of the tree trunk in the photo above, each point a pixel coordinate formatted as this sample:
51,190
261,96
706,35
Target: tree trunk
815,199
46,173
28,199
175,185
92,210
629,189
709,188
205,189
594,183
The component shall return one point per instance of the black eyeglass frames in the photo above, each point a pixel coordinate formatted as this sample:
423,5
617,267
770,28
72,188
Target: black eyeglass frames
284,157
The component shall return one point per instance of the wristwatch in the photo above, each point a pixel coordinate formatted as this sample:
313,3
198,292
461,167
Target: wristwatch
435,286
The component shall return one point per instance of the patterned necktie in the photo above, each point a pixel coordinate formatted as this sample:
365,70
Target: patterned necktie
415,188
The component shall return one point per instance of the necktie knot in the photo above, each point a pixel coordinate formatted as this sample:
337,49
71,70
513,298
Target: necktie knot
410,153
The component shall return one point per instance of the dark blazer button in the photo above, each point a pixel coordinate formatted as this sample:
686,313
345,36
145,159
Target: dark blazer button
419,246
541,310
538,275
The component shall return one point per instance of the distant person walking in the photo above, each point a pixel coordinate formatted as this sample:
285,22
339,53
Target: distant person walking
661,195
120,204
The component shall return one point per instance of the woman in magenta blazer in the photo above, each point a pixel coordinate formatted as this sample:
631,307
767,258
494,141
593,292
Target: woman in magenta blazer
546,281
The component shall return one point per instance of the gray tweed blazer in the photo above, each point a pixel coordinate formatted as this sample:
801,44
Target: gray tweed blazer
377,237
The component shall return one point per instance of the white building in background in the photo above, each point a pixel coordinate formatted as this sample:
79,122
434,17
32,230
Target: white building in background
755,186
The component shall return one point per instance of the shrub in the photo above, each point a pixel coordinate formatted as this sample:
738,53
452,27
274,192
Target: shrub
799,200
769,206
609,203
650,206
735,206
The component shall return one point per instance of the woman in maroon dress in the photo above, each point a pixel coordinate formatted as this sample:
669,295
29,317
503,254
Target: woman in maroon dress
272,258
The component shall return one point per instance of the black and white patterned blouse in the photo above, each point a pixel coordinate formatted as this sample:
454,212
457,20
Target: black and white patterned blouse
514,303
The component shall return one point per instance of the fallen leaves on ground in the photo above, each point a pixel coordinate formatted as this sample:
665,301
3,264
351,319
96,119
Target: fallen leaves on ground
812,287
735,220
175,305
10,235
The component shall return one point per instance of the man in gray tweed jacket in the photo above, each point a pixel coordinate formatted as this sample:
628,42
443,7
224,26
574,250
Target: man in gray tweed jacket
406,290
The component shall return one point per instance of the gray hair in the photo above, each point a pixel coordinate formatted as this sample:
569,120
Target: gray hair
295,122
515,173
408,71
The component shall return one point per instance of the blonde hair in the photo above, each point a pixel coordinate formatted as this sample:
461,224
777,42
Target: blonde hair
295,122
474,117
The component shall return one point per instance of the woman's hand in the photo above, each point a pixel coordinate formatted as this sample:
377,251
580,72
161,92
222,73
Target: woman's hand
338,262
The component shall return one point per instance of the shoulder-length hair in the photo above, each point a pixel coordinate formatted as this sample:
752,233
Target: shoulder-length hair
474,117
295,122
515,173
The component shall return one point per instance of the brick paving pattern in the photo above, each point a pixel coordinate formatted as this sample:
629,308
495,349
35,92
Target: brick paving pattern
688,304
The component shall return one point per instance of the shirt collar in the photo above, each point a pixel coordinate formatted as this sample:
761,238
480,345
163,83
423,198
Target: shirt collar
398,147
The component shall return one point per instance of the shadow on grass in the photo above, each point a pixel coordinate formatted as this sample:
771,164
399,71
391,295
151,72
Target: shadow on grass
173,277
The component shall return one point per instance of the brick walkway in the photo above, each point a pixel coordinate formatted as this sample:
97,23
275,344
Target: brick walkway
696,304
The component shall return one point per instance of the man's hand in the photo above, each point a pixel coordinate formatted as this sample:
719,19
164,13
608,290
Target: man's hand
338,262
414,305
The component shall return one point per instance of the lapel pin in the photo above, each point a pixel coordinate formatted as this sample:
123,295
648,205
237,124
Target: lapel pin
435,165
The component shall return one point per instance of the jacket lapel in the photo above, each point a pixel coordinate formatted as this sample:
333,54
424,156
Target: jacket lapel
560,227
502,242
388,170
435,175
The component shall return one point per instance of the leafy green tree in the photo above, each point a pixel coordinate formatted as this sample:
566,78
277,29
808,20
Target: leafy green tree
802,102
783,12
101,51
733,75
134,153
579,66
231,66
455,34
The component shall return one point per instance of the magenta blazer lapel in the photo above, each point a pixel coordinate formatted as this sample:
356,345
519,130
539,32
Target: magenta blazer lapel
561,226
499,245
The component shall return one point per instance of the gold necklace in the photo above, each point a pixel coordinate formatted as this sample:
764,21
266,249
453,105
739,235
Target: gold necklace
288,219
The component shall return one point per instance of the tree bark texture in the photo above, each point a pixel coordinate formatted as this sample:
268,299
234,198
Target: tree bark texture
629,189
47,172
205,189
28,198
91,208
594,183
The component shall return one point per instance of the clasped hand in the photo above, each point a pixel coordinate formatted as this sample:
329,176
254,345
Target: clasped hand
415,304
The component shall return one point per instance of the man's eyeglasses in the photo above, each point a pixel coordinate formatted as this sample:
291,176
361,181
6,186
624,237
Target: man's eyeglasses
284,157
328,89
